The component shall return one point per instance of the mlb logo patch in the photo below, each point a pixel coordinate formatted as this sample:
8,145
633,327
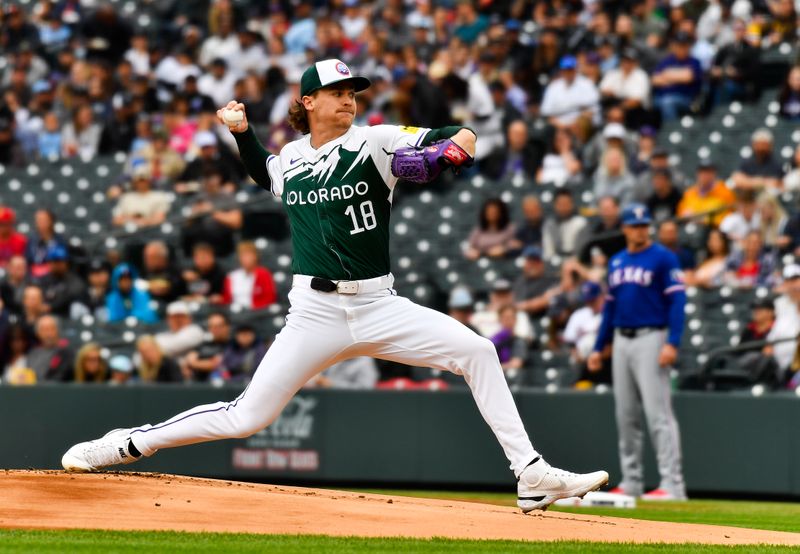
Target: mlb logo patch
343,69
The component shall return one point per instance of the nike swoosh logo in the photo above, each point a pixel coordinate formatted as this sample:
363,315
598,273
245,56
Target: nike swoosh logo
292,162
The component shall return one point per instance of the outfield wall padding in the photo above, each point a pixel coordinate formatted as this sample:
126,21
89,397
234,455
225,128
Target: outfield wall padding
731,443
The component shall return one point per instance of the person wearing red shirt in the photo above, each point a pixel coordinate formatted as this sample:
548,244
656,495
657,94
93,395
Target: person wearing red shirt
251,286
11,243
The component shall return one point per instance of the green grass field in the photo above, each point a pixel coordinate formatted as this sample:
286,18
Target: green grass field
778,516
110,542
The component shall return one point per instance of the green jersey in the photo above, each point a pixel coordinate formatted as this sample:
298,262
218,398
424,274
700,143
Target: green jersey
338,197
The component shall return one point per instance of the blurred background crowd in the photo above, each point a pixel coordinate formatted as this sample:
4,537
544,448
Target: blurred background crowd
579,108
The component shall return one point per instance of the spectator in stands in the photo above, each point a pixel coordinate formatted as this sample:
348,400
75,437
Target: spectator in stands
746,218
61,286
535,288
120,368
627,86
751,266
98,276
15,344
605,232
160,160
125,299
561,230
52,359
560,163
354,373
198,102
202,363
251,285
787,319
789,98
49,140
613,178
664,201
154,365
211,160
711,270
460,306
205,280
512,351
494,234
90,367
791,181
677,78
761,321
708,197
571,101
164,281
773,220
41,240
142,206
529,232
12,243
33,306
735,67
486,320
81,135
669,236
580,334
182,334
214,217
781,25
519,157
613,136
13,284
761,170
242,356
660,160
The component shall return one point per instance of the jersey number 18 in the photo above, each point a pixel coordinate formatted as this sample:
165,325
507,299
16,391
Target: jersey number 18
367,216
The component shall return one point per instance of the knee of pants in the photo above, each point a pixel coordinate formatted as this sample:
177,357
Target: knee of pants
248,422
479,353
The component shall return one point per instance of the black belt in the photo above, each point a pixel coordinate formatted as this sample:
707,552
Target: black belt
631,332
323,285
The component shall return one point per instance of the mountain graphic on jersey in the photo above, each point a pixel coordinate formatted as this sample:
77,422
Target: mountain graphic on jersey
336,161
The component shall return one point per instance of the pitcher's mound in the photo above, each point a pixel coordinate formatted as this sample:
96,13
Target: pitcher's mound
58,500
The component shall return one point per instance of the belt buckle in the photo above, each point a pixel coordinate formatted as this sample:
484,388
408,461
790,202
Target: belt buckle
347,287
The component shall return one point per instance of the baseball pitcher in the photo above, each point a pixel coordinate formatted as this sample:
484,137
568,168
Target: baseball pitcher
336,183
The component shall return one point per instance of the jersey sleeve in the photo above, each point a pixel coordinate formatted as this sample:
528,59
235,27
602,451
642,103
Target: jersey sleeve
385,139
675,291
275,175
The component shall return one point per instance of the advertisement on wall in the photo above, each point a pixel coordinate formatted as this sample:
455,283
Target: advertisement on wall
288,446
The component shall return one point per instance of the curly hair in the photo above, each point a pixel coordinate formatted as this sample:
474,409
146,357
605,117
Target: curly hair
298,117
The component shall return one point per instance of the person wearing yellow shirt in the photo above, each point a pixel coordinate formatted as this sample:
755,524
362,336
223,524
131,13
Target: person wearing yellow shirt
706,195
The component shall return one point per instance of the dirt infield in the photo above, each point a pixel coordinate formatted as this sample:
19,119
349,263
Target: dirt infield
127,501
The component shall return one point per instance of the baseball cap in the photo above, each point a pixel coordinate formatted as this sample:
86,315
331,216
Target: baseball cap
141,170
683,37
120,363
636,214
568,62
614,131
501,285
629,53
460,298
762,134
590,290
328,72
205,138
762,304
7,215
98,265
791,271
41,85
706,164
56,253
177,308
532,252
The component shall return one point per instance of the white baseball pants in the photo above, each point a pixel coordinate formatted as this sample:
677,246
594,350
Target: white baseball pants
325,328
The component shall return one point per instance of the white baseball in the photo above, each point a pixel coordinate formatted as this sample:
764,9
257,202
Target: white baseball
232,117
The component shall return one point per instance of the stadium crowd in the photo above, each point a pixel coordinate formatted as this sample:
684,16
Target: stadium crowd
559,92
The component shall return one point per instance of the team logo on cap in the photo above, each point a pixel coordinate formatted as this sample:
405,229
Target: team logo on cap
639,211
343,69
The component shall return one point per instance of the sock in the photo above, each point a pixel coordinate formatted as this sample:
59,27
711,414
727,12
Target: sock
132,450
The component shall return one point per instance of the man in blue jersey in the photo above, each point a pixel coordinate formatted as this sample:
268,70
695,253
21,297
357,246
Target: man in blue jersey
644,313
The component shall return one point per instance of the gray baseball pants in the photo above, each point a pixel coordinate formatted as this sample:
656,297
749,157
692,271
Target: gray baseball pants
639,382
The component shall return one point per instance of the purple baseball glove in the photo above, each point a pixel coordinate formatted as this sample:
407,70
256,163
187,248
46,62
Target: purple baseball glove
423,164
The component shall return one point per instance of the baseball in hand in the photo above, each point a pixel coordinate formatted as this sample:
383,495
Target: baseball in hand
232,117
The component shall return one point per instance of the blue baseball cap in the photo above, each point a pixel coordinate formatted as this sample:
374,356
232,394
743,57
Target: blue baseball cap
533,252
636,214
590,290
568,62
56,253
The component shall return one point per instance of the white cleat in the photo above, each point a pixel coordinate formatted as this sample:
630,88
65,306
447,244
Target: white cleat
541,484
109,450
